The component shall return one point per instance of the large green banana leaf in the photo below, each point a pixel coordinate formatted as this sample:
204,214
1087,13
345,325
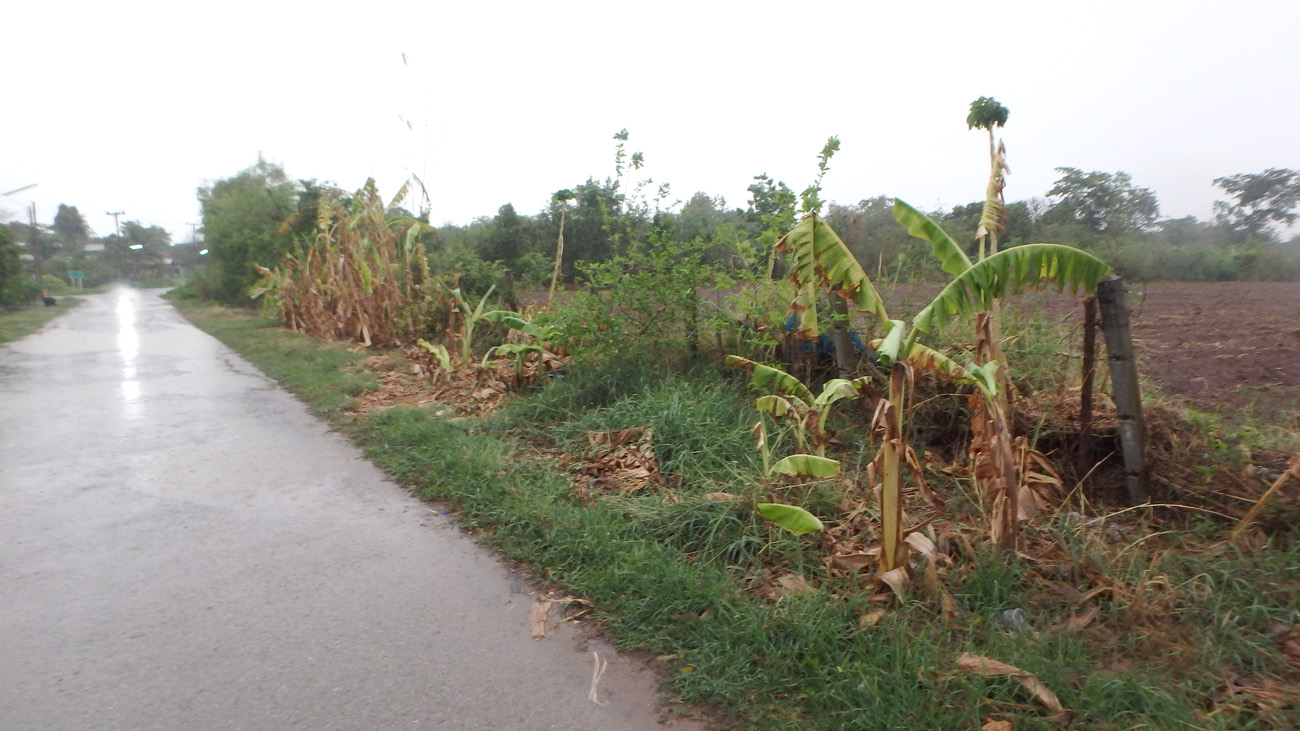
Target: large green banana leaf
840,388
807,465
1011,271
951,256
777,406
768,378
791,517
816,254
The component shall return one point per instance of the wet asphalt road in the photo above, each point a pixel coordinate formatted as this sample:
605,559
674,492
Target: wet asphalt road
182,546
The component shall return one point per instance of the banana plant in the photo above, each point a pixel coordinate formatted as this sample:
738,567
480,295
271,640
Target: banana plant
469,319
790,400
818,257
794,402
541,335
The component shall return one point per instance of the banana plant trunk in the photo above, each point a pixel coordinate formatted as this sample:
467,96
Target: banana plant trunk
840,339
892,455
559,258
1002,482
1006,505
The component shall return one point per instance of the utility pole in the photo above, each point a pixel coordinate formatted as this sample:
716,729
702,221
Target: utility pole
36,252
116,227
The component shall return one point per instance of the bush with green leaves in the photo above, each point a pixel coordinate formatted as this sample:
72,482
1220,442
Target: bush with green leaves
242,217
642,304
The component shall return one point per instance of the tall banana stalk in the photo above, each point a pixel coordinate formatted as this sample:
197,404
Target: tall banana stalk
986,113
563,197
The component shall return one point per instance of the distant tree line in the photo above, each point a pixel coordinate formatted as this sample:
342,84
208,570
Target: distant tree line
41,257
259,215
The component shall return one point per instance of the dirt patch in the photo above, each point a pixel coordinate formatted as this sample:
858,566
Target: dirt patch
1224,346
1230,348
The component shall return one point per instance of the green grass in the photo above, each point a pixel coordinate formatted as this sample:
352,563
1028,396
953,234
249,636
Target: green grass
21,322
671,574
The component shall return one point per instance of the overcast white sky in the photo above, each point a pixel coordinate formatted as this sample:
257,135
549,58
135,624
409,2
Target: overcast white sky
132,106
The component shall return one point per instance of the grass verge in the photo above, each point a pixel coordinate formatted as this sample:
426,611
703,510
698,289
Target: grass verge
1179,627
20,322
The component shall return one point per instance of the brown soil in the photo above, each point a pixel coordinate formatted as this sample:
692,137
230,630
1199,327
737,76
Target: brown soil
1230,347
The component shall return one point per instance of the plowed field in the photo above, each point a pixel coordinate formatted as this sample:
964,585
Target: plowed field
1230,347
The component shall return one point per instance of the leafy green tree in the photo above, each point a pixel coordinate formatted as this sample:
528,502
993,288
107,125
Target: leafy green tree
771,213
1186,231
700,217
591,221
1259,200
1102,201
15,287
123,262
242,218
508,237
868,229
70,228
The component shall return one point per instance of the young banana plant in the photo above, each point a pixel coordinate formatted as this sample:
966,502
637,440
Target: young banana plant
793,402
541,335
790,400
469,319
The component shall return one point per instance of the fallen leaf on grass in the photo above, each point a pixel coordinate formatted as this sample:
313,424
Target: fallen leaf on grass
997,726
1287,639
537,617
871,619
720,497
1269,696
948,604
794,584
1094,594
988,667
853,562
1076,622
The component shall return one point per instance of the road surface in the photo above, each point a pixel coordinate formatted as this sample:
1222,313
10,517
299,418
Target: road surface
182,546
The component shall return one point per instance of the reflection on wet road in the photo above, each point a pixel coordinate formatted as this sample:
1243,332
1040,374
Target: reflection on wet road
186,548
128,346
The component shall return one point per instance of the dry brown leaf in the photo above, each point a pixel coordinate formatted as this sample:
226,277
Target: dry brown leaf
948,604
1268,694
1094,593
537,617
794,584
988,667
897,579
721,497
927,494
922,543
1076,622
871,619
853,562
997,726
